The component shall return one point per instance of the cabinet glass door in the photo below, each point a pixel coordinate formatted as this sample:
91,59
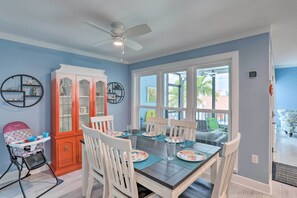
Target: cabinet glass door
65,101
84,102
100,106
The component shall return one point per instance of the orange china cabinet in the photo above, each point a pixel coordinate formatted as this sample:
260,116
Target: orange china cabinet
77,93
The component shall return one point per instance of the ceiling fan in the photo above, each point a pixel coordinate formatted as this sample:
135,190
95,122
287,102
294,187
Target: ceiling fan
120,35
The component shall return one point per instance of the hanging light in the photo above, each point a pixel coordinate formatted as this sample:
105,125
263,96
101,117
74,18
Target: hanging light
118,41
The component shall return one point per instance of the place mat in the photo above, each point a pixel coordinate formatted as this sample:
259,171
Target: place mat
134,133
186,164
124,135
152,159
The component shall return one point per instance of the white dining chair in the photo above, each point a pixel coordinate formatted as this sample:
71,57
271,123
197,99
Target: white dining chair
183,128
203,189
95,159
103,123
157,125
119,168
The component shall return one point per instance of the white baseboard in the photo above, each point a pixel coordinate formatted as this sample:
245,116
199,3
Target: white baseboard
252,184
13,175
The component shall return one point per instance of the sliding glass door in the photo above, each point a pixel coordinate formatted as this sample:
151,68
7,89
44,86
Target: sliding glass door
212,104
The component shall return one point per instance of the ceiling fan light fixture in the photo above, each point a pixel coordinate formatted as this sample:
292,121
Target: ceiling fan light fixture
118,41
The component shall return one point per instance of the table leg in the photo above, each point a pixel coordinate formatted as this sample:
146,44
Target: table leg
85,171
214,169
169,194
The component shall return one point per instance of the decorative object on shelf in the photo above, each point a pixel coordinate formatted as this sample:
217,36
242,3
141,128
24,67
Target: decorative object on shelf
115,93
83,109
31,82
21,90
34,91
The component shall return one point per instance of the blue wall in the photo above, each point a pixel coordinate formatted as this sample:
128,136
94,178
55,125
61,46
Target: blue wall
17,58
253,98
285,89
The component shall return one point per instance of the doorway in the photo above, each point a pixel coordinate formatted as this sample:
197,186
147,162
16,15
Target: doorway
285,144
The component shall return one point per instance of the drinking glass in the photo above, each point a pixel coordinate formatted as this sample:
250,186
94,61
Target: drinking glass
170,146
133,139
154,133
182,139
129,129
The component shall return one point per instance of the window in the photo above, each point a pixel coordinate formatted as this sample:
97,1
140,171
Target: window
147,99
212,96
197,89
175,95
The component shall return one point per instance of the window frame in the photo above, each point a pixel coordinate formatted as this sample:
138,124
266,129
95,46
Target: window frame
190,67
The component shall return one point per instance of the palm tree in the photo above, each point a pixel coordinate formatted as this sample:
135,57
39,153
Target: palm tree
204,88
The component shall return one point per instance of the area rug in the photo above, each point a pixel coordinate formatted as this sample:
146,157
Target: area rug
284,173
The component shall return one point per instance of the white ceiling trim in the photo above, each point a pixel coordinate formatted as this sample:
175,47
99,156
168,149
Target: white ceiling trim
266,29
43,44
284,66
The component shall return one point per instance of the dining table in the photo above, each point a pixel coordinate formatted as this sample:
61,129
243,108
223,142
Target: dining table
166,178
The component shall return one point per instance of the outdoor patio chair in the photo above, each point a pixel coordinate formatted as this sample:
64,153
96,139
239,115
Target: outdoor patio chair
21,152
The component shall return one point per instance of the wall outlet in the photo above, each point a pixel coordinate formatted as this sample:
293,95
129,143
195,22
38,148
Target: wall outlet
255,159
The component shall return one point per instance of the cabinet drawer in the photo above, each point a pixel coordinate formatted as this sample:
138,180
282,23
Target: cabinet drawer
66,152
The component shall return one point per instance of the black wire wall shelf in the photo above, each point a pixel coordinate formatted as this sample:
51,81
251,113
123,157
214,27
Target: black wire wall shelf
21,90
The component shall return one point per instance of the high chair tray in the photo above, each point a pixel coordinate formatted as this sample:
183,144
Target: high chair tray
22,144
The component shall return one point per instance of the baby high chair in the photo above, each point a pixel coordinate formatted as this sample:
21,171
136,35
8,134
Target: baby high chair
22,152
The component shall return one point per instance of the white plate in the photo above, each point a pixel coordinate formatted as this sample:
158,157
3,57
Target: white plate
139,155
146,134
191,155
116,133
174,139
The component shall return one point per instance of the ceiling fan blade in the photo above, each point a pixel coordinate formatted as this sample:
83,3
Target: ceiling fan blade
98,27
138,30
102,42
133,45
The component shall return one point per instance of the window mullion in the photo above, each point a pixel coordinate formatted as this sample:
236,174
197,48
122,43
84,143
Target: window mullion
190,108
160,97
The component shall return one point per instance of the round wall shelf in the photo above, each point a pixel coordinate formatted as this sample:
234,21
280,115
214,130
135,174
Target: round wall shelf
21,90
115,93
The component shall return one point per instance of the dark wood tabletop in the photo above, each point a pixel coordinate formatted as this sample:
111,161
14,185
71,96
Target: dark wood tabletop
166,172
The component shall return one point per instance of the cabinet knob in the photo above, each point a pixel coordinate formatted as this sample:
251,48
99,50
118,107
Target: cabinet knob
66,148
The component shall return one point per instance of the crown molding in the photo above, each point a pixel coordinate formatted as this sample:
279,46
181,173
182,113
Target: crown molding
29,41
285,66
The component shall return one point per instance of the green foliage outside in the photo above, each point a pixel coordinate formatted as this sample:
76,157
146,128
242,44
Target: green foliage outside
204,88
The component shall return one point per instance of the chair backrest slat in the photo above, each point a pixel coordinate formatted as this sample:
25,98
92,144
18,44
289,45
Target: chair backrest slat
93,149
157,125
119,166
183,128
229,154
103,123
